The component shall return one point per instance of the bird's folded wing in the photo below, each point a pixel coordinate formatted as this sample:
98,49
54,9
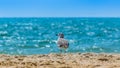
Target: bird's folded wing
62,42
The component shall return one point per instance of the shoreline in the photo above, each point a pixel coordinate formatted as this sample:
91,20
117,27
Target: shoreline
66,60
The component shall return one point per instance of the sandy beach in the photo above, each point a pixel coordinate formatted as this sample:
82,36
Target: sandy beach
76,60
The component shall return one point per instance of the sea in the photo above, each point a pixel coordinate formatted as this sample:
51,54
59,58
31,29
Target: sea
37,35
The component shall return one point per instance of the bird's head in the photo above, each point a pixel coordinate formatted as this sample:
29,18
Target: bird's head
61,35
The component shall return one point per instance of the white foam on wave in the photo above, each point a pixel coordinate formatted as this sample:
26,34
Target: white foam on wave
6,25
11,48
105,31
101,49
54,41
28,28
48,46
19,51
115,50
90,33
94,46
3,32
36,45
72,41
0,45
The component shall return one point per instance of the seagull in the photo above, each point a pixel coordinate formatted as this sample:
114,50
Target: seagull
61,42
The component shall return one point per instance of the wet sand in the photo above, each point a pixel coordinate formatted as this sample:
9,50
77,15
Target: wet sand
76,60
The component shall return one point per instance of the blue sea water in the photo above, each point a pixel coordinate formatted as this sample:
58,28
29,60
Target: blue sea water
26,36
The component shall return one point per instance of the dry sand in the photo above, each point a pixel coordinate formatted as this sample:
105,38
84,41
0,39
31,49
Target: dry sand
76,60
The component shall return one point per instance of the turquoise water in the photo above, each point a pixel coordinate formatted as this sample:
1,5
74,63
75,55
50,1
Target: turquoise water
38,35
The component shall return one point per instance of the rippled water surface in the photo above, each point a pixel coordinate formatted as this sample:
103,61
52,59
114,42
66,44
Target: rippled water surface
38,35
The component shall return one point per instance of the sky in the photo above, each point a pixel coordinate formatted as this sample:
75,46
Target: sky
59,8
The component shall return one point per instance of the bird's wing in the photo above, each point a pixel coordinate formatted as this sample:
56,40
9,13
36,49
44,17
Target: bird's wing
62,42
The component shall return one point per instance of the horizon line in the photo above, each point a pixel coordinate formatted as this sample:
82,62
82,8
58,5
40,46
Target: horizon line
62,17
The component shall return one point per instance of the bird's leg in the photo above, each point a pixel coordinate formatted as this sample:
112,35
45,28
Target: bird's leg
65,50
60,51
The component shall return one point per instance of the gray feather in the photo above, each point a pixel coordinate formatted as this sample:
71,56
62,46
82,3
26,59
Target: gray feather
62,43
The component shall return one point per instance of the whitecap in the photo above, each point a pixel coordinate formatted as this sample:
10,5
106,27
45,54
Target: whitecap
3,32
71,41
11,48
101,49
105,31
36,45
19,51
83,49
54,41
48,46
29,28
116,29
0,45
6,25
115,50
94,47
52,24
91,33
82,23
